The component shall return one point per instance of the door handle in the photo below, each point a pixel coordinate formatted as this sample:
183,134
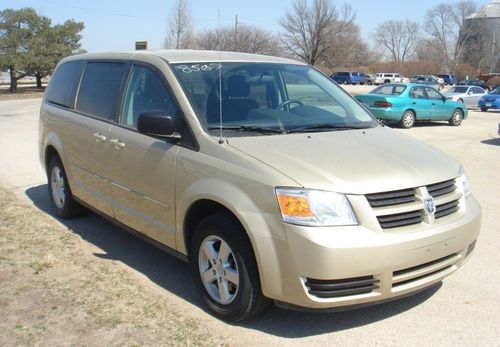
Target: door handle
99,137
433,104
117,143
414,103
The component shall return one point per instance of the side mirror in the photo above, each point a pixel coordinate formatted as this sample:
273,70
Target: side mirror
157,123
470,93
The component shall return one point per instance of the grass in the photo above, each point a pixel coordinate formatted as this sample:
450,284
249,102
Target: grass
56,292
22,93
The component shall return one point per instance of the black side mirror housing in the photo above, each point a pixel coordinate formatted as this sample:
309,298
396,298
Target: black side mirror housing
157,123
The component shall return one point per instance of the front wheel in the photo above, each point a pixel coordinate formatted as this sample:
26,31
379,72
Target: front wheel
408,119
369,83
225,269
346,82
59,190
484,109
456,118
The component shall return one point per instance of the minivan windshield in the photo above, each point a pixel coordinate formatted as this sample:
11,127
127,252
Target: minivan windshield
268,98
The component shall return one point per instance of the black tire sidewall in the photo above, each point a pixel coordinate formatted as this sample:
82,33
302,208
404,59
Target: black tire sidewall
230,231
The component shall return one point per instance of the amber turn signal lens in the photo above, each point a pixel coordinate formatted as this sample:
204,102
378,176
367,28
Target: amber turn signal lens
294,206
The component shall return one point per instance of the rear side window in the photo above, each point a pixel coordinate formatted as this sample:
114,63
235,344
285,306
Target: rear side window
63,85
100,89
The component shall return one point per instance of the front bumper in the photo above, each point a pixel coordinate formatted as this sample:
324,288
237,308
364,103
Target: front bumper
495,105
397,262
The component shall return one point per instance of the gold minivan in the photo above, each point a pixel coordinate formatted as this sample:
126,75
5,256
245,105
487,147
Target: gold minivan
274,183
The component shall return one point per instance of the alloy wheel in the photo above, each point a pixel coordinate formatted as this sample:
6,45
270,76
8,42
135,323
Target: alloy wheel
57,186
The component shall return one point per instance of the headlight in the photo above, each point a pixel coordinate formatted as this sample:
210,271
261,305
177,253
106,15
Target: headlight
465,181
314,207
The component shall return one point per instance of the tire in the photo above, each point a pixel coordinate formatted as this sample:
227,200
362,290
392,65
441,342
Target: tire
362,83
345,82
243,298
408,119
484,109
456,118
369,83
59,191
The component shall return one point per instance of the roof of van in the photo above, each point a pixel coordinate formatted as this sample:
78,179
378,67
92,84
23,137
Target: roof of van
190,56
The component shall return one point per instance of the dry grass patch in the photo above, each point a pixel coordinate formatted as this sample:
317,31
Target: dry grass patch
55,292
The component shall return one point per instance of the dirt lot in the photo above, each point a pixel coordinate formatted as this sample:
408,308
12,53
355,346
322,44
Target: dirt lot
86,282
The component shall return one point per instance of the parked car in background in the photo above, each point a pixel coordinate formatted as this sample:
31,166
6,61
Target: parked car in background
469,95
429,81
344,77
370,78
390,77
477,83
490,101
362,78
437,78
449,79
408,103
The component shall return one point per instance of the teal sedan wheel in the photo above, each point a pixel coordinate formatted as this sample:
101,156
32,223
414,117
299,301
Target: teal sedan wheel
408,119
456,118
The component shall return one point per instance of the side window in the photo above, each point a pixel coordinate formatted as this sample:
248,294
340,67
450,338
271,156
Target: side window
63,85
145,91
100,89
417,93
476,90
432,94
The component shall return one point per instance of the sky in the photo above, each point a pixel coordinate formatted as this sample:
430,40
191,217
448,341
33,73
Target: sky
116,25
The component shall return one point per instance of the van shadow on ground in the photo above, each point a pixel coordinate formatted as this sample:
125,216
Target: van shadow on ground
175,276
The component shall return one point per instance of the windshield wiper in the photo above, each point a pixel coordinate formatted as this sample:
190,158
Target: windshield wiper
250,128
319,127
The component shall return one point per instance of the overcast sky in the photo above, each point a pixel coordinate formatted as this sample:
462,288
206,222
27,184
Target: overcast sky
116,25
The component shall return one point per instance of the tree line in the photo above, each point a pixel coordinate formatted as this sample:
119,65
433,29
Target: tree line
31,46
326,35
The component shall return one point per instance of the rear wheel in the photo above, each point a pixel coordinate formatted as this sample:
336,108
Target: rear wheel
59,191
408,119
456,118
484,109
369,83
226,270
346,82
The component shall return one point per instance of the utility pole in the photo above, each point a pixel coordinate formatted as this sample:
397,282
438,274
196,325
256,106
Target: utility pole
235,32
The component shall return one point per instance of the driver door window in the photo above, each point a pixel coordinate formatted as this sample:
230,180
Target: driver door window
145,91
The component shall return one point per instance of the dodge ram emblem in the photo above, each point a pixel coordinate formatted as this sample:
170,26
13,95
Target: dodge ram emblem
429,206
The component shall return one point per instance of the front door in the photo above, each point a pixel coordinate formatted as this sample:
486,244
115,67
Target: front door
440,109
142,168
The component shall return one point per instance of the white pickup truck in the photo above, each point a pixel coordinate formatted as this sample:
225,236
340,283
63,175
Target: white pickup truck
390,77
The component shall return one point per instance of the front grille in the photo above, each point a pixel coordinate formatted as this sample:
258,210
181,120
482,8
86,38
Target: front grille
400,219
416,273
442,188
342,287
404,207
391,198
446,209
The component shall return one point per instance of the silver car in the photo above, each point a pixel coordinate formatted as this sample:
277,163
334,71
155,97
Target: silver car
469,95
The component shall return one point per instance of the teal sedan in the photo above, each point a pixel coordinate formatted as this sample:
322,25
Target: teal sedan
408,103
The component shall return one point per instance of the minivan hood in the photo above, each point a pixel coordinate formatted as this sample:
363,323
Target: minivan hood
351,161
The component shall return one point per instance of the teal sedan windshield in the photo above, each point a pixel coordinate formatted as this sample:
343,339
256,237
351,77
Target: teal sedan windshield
268,98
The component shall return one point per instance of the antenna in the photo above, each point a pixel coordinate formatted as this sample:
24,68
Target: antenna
221,141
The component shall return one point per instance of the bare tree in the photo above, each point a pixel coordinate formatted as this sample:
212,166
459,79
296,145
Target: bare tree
399,38
307,28
445,25
180,26
249,39
347,49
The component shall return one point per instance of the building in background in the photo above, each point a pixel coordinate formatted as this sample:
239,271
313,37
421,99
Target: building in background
481,33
